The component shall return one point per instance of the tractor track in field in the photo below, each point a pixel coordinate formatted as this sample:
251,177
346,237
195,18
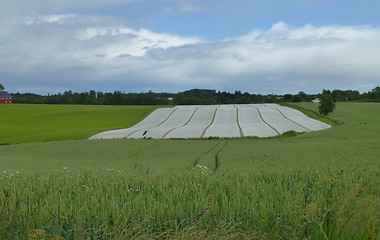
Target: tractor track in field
216,164
206,153
217,148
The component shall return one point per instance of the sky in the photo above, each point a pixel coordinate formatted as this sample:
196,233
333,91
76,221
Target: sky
255,46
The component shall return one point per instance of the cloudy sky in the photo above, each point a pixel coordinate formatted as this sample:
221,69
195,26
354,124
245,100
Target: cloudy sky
258,46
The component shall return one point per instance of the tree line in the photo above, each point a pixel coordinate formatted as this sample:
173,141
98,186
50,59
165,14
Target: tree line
95,98
190,97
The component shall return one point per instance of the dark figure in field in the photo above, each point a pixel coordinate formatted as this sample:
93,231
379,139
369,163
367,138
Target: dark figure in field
145,134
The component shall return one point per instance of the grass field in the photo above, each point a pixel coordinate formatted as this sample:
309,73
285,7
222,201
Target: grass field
317,185
23,123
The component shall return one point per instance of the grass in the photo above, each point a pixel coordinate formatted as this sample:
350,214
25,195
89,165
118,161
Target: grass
24,123
317,185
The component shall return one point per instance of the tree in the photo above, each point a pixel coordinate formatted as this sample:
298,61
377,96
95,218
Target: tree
287,97
303,96
326,104
2,87
297,98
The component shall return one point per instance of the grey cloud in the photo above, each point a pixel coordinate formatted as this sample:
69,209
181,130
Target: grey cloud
85,52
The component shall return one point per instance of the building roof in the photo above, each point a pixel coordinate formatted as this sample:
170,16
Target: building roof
4,94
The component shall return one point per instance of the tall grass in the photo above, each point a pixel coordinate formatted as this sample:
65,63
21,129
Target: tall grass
109,204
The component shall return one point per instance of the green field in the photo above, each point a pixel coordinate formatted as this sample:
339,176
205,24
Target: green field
23,123
318,185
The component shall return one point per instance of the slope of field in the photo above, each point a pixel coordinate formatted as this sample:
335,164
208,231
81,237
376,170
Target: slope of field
22,123
317,185
156,118
253,124
359,136
179,117
223,121
197,125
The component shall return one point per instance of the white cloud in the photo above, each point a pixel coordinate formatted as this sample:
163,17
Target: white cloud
128,42
79,52
184,6
49,18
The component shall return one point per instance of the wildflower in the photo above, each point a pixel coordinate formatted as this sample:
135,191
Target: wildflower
201,167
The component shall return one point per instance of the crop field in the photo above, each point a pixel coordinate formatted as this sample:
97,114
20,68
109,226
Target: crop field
22,123
223,121
316,185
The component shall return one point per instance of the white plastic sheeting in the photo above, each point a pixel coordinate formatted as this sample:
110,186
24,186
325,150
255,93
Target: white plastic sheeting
226,121
151,121
201,119
300,118
180,116
276,120
252,124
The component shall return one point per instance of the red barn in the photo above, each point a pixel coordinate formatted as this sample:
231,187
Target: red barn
5,97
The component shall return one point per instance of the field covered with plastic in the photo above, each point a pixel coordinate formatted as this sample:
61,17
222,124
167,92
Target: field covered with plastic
224,121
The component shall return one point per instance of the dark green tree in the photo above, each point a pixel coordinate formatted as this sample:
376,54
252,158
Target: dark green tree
2,87
326,104
297,98
302,95
287,97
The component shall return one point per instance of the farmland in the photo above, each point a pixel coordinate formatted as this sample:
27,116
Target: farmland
22,123
225,121
319,185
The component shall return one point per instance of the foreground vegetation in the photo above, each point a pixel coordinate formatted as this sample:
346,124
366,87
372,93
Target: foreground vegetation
321,204
318,185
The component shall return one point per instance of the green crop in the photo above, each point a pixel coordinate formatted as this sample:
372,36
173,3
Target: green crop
109,203
317,185
22,123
